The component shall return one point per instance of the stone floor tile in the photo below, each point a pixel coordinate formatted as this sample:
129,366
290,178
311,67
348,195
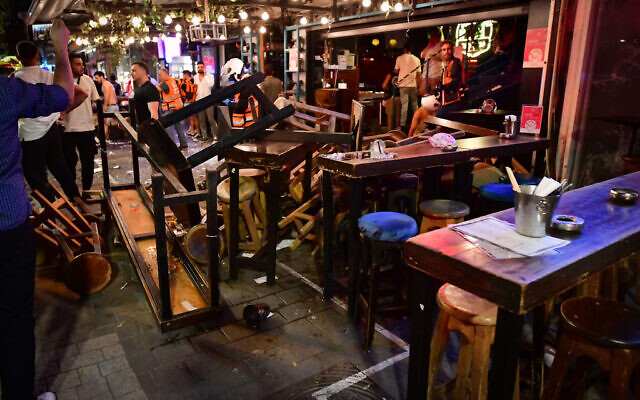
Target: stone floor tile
137,395
46,370
67,394
108,367
173,351
208,340
64,380
81,360
123,382
236,331
293,295
112,351
89,373
98,342
93,388
142,362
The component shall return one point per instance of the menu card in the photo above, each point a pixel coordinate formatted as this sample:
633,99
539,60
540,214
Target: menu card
501,240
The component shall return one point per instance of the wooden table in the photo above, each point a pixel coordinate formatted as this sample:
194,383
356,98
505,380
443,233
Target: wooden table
409,158
611,231
273,156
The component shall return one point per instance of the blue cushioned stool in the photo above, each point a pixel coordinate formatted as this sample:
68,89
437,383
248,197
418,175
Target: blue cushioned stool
495,197
384,234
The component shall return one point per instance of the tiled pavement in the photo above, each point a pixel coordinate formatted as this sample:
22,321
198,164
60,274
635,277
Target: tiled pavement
108,346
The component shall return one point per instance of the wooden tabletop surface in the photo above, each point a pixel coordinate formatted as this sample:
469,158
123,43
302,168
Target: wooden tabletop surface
611,231
266,153
423,155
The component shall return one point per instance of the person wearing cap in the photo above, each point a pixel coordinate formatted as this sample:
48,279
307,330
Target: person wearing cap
429,106
40,137
9,65
20,99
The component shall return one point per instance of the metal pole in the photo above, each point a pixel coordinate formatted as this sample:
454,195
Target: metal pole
213,238
161,246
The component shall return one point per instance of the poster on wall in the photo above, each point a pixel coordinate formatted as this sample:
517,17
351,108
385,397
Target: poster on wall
531,119
534,48
293,60
209,64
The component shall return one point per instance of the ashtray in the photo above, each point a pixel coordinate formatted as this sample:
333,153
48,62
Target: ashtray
450,148
567,223
504,135
624,195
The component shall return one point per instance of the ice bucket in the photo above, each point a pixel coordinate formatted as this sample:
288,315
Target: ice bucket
533,213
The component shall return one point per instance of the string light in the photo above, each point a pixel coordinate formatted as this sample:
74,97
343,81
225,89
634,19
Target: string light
195,20
168,19
263,29
243,15
221,19
265,16
303,21
247,30
398,7
103,20
93,23
366,3
385,6
147,39
154,39
113,39
179,35
222,37
324,20
79,42
178,27
136,21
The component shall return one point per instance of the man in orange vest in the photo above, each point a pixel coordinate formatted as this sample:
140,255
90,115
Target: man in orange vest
242,114
171,101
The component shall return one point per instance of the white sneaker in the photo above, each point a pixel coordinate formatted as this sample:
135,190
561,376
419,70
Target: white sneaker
47,396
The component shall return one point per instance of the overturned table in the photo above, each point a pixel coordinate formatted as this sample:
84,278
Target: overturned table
610,233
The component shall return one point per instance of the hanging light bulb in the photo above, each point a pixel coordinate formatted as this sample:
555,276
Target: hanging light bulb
96,40
113,39
324,20
136,21
195,20
223,37
207,37
179,35
221,19
142,42
168,19
79,42
385,6
103,20
147,39
265,16
366,3
398,7
163,36
303,21
154,39
247,30
93,23
178,27
243,15
263,29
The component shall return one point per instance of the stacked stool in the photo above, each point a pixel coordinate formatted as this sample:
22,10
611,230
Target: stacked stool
440,213
603,330
250,206
400,193
475,319
384,236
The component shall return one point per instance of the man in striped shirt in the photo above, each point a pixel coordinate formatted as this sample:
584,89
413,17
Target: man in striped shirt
19,99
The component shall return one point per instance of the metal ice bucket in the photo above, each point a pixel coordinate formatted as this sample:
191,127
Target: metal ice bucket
533,213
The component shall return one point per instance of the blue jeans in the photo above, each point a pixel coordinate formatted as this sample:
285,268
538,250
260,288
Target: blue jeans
177,129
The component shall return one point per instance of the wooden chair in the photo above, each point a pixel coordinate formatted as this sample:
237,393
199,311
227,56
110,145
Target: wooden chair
440,213
475,319
602,330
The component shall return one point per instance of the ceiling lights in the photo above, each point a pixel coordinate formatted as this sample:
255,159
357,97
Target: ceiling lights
168,19
221,19
303,21
243,15
247,30
195,20
324,20
263,29
366,3
385,6
398,7
265,16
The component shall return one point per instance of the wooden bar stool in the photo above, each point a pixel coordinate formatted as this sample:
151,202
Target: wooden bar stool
250,206
384,236
603,330
440,213
475,319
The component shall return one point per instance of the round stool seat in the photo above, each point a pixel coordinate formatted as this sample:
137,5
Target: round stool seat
247,189
444,209
502,192
465,306
402,181
388,226
607,322
251,172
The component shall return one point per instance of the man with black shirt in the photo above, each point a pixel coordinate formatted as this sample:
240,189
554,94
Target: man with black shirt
146,98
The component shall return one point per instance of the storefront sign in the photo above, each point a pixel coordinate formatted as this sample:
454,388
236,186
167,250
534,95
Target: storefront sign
475,38
534,48
531,119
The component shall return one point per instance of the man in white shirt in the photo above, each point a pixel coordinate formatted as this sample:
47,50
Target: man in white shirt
79,130
205,83
408,69
40,137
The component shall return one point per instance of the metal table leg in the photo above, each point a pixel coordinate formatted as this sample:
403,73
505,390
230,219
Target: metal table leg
327,216
234,204
355,206
273,216
504,358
